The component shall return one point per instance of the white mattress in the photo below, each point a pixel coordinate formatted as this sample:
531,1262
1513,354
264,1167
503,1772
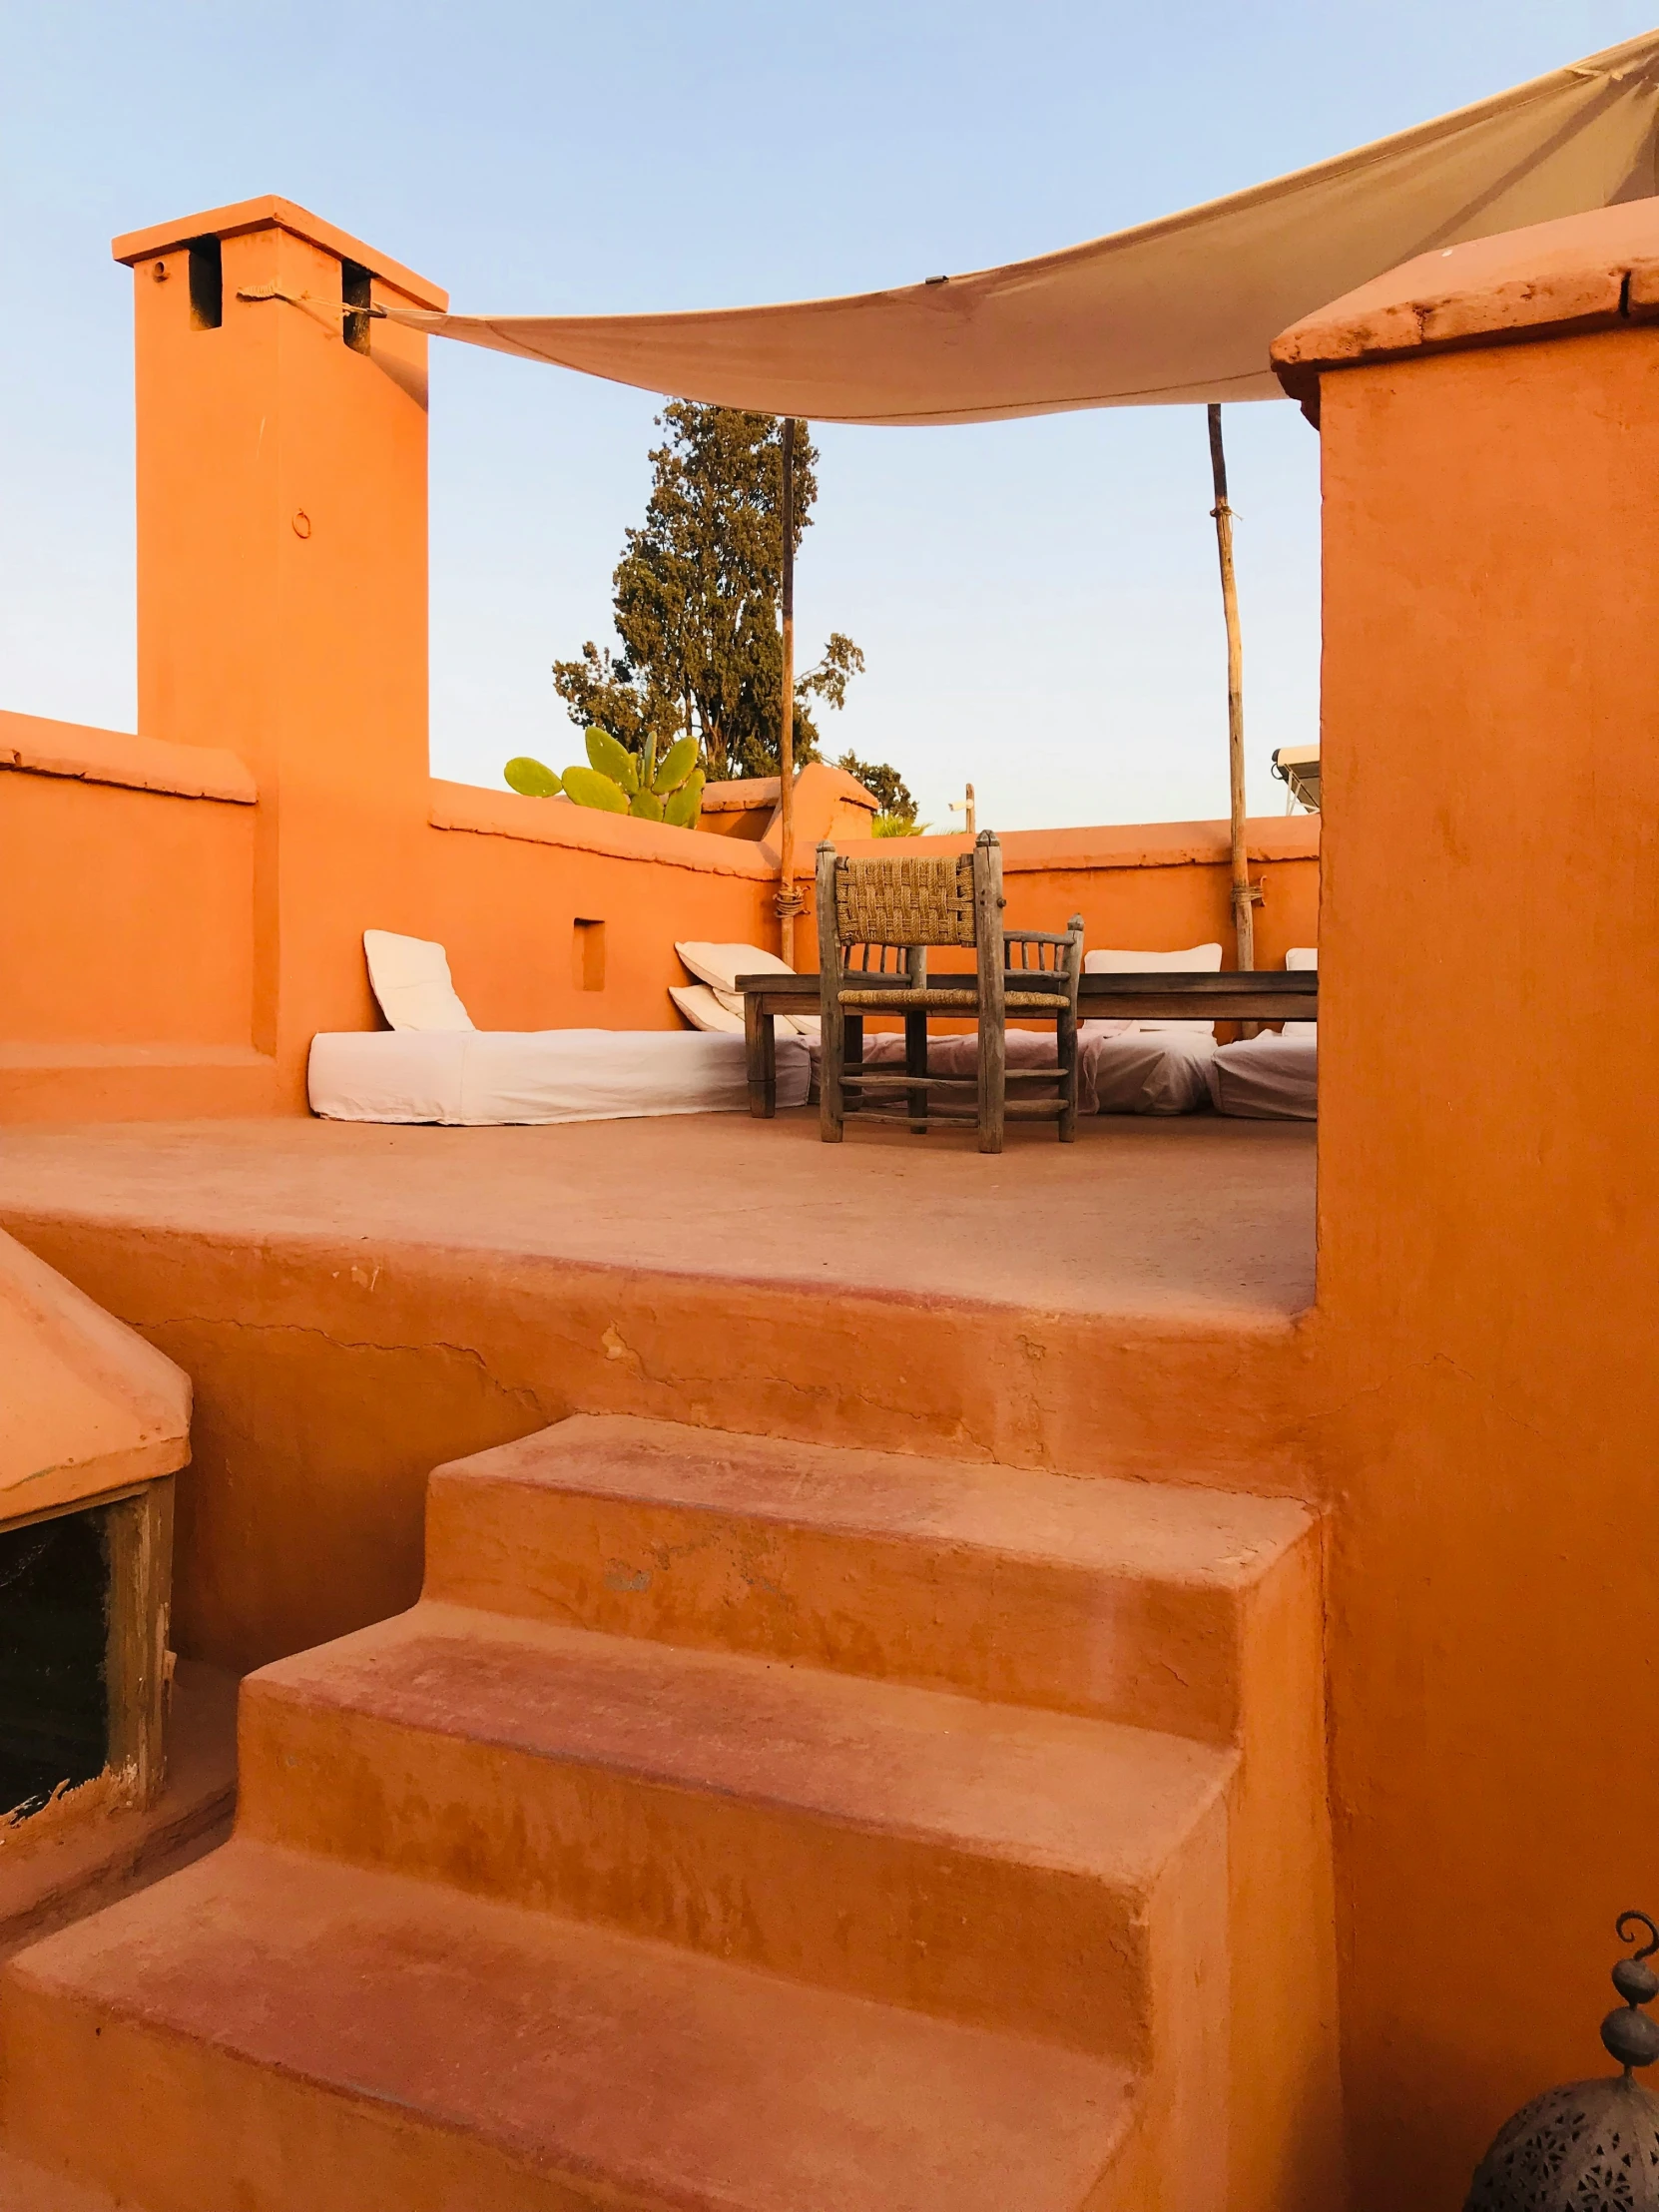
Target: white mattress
1148,1071
480,1077
1269,1078
959,1054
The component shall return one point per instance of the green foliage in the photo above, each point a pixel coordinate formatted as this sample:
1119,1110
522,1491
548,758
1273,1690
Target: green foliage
620,782
613,760
696,595
590,787
897,815
678,762
683,807
530,778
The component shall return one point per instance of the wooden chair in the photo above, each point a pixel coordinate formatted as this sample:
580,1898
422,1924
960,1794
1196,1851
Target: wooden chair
894,911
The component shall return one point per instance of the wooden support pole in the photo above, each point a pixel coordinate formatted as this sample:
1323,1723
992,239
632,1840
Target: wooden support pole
788,898
1244,894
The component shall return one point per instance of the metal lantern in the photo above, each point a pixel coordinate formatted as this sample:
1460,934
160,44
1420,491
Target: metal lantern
1592,2146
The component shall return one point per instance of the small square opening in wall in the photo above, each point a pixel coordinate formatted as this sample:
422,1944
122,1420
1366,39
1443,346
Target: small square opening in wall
54,1617
207,284
356,289
587,956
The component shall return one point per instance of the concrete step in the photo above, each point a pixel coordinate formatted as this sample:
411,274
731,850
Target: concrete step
1130,1601
992,1863
284,2033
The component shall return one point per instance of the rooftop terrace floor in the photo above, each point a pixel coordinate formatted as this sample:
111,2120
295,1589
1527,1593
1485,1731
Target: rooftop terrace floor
356,1305
1196,1221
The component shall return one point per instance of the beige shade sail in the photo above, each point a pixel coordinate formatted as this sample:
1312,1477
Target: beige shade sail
1183,309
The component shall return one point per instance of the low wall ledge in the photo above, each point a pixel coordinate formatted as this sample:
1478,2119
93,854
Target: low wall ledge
1149,844
491,814
1582,273
39,746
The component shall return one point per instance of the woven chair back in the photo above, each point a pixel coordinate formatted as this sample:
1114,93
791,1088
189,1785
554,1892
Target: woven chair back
906,901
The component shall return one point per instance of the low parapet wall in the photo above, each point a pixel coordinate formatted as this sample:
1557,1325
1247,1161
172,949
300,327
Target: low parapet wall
1151,886
151,903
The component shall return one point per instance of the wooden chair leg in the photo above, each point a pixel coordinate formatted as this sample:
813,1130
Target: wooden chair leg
754,1060
993,1084
831,1096
915,1063
1065,1051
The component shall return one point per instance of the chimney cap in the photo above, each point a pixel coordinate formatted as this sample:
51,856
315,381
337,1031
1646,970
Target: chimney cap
272,213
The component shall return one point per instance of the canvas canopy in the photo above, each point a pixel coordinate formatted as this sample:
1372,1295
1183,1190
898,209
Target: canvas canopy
1183,309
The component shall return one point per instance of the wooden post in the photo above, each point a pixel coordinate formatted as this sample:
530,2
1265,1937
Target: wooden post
788,899
993,1042
1244,894
138,1538
831,1019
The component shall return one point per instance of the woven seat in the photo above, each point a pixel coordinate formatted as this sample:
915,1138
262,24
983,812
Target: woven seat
900,909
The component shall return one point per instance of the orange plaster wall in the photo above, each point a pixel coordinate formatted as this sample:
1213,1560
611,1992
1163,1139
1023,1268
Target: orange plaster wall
1488,1196
131,915
184,950
507,909
139,991
1155,887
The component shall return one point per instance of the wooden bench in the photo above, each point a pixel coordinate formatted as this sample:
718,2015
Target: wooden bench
1261,994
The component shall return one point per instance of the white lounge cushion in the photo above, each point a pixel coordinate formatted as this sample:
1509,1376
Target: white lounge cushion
704,1011
718,966
1302,956
410,977
1196,960
722,1012
483,1077
1269,1078
1148,1071
959,1054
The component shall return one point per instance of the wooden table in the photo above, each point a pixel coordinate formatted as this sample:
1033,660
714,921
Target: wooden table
1257,995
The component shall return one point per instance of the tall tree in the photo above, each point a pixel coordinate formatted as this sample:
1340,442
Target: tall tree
897,816
695,598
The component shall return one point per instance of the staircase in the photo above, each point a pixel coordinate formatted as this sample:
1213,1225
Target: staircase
738,1826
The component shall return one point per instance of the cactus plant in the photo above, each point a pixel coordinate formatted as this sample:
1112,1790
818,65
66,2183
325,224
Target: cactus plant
621,783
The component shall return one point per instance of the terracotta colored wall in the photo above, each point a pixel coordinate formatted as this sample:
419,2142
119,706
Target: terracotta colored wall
1154,887
137,993
507,909
187,937
1489,1219
131,917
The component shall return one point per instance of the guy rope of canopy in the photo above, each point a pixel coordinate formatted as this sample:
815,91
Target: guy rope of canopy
1180,309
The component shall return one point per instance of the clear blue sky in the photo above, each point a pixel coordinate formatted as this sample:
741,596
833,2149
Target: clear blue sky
1037,600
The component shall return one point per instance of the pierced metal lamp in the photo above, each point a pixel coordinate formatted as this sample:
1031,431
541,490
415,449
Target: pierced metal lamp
1590,2146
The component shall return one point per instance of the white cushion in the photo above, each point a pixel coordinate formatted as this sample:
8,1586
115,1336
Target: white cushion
1149,1073
1302,956
959,1054
1196,960
411,980
720,966
1267,1078
493,1077
704,1011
